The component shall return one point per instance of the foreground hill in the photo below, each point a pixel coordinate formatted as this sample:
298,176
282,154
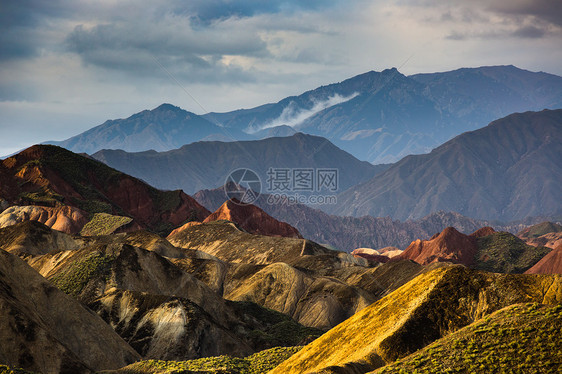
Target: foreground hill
52,177
153,302
45,330
521,338
205,165
507,170
424,310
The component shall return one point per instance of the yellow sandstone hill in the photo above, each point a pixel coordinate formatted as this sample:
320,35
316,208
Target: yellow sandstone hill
425,309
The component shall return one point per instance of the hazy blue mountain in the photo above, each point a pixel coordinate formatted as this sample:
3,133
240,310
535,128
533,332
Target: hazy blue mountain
163,128
204,165
510,169
384,116
379,117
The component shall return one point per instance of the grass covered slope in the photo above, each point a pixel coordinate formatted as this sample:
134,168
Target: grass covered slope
104,224
258,363
503,252
523,338
425,309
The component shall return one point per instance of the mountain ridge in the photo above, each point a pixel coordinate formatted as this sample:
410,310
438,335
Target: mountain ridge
490,173
376,116
204,165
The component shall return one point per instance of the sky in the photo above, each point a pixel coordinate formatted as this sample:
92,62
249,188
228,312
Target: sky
69,65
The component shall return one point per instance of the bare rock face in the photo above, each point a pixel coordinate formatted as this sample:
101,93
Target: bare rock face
484,231
49,331
549,264
61,218
253,219
314,301
32,238
450,245
167,328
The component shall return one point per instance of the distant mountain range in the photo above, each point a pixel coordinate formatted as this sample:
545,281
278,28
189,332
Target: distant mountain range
508,170
349,233
377,116
206,165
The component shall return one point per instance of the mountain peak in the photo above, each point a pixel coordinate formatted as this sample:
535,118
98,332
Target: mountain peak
166,107
450,245
253,219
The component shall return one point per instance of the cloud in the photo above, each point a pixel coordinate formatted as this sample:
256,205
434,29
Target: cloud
105,59
530,31
492,18
293,114
211,10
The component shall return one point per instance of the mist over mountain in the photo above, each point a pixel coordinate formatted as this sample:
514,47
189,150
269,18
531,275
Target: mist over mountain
205,165
507,170
383,116
379,117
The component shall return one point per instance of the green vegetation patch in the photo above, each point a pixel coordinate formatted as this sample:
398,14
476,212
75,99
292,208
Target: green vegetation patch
503,252
44,197
76,277
9,370
104,224
258,363
542,229
523,338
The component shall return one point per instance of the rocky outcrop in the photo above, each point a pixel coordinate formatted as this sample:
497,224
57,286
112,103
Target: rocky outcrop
448,246
377,255
32,238
167,328
549,264
47,331
315,301
61,218
253,219
250,218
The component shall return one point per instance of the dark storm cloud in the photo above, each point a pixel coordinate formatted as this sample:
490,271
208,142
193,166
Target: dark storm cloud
19,24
